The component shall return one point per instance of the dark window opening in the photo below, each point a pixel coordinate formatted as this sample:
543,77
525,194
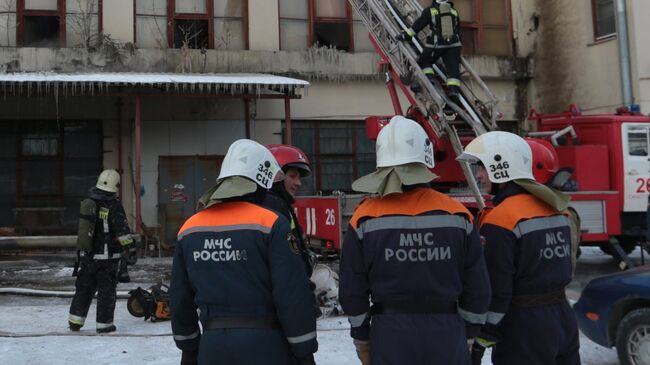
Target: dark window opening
48,167
335,35
41,31
605,20
192,33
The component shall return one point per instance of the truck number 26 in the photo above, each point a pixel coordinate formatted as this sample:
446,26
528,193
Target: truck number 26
330,220
644,185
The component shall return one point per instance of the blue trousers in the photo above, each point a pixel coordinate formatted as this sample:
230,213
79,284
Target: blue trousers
538,336
418,339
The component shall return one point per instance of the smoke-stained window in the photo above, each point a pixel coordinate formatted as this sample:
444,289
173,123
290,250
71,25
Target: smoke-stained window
604,15
321,23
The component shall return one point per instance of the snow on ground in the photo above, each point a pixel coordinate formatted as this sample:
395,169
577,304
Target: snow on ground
43,338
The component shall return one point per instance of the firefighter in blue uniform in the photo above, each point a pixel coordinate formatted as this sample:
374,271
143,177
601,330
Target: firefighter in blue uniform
415,254
238,264
280,198
528,254
109,240
444,41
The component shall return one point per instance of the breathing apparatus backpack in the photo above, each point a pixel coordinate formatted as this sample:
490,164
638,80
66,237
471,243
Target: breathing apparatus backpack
447,24
151,304
87,222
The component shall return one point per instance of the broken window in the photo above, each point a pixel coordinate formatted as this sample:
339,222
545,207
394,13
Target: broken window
325,23
191,34
40,23
604,18
332,24
192,23
41,31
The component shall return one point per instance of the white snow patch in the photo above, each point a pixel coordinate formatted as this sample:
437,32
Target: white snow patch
138,342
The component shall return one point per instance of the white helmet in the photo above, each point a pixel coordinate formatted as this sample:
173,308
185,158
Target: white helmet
506,156
109,181
403,141
252,160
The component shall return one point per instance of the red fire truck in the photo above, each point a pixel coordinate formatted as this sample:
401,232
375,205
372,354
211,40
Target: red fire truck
608,154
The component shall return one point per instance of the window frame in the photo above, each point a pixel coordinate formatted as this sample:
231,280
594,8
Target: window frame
478,26
173,16
209,16
313,18
594,19
21,13
354,128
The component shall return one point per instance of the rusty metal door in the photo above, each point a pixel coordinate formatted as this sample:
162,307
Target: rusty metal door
181,182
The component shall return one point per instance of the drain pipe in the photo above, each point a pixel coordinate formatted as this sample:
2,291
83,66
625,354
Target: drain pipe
624,52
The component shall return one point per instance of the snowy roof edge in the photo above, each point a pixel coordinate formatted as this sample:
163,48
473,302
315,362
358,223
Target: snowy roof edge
130,78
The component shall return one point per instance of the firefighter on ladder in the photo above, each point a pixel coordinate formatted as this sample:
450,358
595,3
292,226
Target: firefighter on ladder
239,264
528,254
444,41
416,254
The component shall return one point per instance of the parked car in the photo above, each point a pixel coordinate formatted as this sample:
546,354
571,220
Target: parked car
614,311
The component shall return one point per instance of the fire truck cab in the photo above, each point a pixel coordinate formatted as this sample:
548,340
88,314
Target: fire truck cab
609,155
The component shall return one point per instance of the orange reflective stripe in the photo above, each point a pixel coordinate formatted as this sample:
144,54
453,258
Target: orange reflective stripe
517,208
231,214
482,214
412,203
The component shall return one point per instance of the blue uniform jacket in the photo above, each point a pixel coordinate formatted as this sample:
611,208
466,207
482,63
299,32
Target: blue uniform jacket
237,259
527,248
416,244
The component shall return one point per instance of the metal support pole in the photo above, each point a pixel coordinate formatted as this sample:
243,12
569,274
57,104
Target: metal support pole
138,183
287,120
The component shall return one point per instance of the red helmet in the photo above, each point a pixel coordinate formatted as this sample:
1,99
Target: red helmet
290,156
545,160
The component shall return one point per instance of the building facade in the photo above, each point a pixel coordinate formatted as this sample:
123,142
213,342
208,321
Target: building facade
57,142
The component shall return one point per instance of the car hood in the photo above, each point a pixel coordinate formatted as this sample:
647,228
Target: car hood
637,279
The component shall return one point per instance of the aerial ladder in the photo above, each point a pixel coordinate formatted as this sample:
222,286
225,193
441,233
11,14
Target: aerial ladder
386,20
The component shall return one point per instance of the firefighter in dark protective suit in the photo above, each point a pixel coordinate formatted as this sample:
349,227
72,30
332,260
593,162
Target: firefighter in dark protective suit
415,254
528,253
106,240
444,41
295,165
239,265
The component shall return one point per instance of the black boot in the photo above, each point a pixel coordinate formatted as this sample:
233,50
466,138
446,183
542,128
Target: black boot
108,329
74,327
454,93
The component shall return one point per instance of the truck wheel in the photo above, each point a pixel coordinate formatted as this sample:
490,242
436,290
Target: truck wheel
633,338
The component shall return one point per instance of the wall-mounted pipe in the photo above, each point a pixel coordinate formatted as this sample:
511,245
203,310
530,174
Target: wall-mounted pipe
37,242
624,53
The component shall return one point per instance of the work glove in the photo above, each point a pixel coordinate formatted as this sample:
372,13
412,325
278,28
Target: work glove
489,336
122,272
190,358
363,351
404,36
130,254
307,360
